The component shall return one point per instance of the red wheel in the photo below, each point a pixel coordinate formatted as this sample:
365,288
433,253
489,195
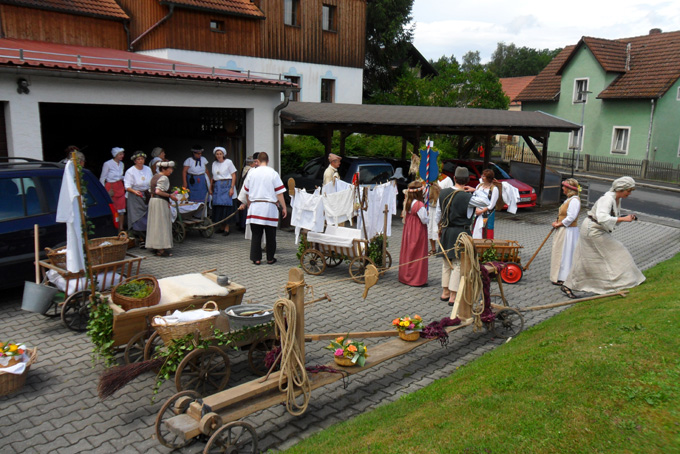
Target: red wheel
512,273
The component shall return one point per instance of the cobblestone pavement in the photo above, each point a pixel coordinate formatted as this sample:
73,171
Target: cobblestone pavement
58,410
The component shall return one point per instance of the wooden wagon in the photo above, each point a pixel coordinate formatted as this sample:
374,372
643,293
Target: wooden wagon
506,251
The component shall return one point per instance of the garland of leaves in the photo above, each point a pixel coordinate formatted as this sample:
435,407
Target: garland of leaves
100,331
302,247
375,248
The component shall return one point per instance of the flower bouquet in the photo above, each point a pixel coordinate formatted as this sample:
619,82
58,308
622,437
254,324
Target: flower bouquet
11,354
182,193
15,361
348,352
409,328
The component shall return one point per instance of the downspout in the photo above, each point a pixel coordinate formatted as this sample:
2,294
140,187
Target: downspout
649,133
154,26
277,124
127,33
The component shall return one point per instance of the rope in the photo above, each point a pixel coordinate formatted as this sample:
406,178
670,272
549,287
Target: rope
293,376
473,276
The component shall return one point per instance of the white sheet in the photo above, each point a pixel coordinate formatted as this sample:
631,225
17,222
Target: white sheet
177,288
104,282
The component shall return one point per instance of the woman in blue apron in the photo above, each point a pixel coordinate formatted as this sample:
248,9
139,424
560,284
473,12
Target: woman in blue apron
195,175
224,180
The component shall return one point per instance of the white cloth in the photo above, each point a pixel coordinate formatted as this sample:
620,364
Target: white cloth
195,169
262,186
510,196
186,286
335,236
154,161
20,367
68,212
197,208
181,317
307,212
339,206
564,243
105,281
336,186
223,170
374,216
138,179
112,171
475,202
422,214
490,204
446,183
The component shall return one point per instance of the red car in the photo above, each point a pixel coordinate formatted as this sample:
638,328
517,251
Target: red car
527,194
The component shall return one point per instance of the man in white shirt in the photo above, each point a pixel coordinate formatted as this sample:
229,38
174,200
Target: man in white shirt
264,194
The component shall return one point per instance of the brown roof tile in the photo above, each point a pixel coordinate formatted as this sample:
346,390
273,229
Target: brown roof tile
546,86
513,86
236,7
610,54
96,8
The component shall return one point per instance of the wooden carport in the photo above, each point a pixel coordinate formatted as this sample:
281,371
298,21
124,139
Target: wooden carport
412,123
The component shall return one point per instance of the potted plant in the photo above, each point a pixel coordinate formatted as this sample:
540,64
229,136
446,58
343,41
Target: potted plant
181,193
15,361
11,354
348,352
409,328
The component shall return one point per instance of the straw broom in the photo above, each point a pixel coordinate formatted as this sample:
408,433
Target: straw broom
117,377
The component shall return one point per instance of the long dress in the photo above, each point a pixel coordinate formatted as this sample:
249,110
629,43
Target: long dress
159,230
492,196
414,247
601,263
197,180
222,202
565,239
137,206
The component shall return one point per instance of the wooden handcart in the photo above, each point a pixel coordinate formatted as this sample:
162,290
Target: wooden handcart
190,221
507,251
74,310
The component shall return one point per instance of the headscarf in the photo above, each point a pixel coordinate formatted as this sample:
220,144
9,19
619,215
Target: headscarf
197,149
622,184
224,152
156,152
166,164
138,154
116,150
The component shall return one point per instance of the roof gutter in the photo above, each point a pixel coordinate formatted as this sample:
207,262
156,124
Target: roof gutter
649,133
154,26
277,124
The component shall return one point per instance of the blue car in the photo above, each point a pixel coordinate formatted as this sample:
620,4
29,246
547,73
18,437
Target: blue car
29,193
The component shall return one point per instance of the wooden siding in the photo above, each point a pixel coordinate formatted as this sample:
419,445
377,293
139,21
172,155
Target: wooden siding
269,38
54,27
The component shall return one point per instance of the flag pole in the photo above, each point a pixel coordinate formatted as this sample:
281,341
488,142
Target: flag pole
83,221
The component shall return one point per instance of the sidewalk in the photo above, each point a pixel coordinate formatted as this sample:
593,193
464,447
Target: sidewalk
58,410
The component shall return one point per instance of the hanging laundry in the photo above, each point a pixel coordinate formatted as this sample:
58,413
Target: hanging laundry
336,186
339,206
307,212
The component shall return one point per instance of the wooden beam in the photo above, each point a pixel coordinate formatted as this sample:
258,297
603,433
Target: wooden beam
487,151
358,335
532,147
343,138
544,164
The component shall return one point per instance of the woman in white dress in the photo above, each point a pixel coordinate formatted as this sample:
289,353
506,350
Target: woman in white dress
484,223
601,263
566,235
159,232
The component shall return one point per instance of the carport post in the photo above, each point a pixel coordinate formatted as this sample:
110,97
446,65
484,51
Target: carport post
544,163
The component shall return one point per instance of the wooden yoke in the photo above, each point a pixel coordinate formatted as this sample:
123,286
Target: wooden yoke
296,292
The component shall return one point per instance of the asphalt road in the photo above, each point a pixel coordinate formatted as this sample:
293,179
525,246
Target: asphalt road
643,200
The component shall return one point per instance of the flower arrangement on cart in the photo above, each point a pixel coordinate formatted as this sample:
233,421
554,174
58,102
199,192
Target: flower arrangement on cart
348,352
181,193
409,327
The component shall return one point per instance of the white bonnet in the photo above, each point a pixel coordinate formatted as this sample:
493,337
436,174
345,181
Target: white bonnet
116,150
622,184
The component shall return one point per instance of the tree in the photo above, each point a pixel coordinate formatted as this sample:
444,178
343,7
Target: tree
510,61
387,39
471,61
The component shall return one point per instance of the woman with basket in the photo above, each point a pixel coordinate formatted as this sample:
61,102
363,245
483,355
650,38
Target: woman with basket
159,232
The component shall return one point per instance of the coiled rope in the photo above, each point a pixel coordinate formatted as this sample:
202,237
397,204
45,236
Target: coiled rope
472,275
293,376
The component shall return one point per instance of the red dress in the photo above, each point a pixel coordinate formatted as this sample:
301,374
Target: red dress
413,247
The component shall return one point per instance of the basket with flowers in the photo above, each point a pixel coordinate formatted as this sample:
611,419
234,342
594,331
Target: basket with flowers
11,354
181,193
348,352
409,327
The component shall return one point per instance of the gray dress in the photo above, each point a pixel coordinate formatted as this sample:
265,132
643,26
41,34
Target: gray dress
159,229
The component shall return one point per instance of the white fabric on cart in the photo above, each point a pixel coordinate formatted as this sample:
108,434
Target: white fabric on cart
177,288
335,236
374,216
186,209
307,212
181,317
104,282
68,212
339,206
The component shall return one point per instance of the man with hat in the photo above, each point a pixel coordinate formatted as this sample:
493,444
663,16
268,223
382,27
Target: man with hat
455,209
332,171
112,175
196,167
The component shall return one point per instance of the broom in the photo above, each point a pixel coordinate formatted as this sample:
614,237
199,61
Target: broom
115,378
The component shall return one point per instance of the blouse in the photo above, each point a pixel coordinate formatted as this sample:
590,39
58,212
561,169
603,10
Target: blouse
138,179
112,171
223,170
196,167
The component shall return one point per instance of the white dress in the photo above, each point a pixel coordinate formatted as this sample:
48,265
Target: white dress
601,263
564,241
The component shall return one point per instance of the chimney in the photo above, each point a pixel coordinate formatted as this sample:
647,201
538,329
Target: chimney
628,48
655,31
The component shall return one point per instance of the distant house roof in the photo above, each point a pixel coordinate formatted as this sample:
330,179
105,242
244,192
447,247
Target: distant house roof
648,65
512,86
107,9
232,7
99,60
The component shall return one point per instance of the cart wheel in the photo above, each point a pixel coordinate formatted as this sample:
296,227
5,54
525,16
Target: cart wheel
54,310
357,268
257,353
333,259
134,350
512,273
207,233
204,370
174,406
178,232
313,261
151,345
237,437
75,313
509,322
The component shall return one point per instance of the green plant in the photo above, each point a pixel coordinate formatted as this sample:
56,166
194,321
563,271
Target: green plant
302,247
348,348
138,289
375,249
489,255
100,331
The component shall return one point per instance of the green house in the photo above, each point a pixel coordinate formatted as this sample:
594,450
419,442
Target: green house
625,92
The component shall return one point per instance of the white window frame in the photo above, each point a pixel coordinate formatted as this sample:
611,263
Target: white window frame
329,18
295,96
217,26
571,139
576,99
333,90
627,144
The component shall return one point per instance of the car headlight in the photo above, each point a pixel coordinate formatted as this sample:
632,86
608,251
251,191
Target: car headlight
533,191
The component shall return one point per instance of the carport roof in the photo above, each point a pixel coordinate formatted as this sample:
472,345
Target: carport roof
305,117
99,60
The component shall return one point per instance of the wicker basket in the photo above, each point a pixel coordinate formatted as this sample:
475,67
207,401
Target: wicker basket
204,327
12,361
343,361
128,303
410,337
99,254
10,383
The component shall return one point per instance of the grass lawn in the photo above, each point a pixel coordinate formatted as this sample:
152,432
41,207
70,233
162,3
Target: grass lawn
601,377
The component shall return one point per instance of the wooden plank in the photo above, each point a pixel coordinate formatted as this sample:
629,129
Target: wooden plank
358,335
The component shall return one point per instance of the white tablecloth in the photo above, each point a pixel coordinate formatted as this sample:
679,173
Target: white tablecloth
191,209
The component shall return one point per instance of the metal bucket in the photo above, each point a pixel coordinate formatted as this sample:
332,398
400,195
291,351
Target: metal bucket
37,297
237,321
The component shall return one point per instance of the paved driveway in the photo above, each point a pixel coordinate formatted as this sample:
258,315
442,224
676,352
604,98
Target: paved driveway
58,410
